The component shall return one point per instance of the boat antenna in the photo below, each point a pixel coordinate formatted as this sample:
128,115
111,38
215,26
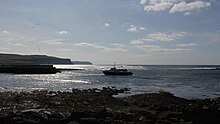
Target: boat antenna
114,64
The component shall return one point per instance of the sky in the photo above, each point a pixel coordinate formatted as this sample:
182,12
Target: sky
107,31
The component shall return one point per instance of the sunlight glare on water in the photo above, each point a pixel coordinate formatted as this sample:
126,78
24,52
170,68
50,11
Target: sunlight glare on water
183,81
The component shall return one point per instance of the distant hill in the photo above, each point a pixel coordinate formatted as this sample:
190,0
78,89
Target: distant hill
32,59
81,62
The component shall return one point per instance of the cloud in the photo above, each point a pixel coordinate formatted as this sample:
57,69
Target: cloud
64,50
173,6
143,1
142,28
133,28
36,25
136,42
5,32
187,13
159,6
159,36
143,43
107,25
62,32
118,45
172,50
16,44
148,48
4,49
94,45
156,48
187,45
189,7
54,41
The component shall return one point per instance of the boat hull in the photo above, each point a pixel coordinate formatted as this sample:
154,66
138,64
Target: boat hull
117,73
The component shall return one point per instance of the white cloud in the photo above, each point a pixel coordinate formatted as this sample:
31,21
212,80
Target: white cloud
143,43
118,45
159,36
187,45
156,48
163,36
142,28
136,42
16,44
94,45
107,25
5,32
174,5
189,7
172,50
148,48
143,1
158,6
62,32
64,50
53,41
4,49
187,13
133,28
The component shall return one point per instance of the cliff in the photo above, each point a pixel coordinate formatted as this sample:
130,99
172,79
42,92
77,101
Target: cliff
32,59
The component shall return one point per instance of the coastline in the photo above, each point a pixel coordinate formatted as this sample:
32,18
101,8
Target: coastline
98,106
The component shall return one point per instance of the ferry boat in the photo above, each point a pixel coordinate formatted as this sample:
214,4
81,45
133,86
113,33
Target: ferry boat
115,71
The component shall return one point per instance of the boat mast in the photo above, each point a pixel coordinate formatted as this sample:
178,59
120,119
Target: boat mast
114,65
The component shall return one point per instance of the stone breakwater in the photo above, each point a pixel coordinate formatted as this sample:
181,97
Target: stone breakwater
95,106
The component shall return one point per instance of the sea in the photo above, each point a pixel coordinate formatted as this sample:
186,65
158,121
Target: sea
186,81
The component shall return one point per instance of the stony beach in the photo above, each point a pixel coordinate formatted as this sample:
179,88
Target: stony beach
98,106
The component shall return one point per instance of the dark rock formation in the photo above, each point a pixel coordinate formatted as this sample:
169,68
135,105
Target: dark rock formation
95,106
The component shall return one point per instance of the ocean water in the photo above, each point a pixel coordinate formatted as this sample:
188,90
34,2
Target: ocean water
187,81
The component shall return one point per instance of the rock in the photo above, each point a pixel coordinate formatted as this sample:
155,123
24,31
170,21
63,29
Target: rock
20,120
72,122
118,122
29,117
163,122
5,118
56,121
203,116
89,120
76,116
164,115
98,106
52,93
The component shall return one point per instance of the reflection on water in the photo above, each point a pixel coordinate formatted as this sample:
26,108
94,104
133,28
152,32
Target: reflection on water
184,81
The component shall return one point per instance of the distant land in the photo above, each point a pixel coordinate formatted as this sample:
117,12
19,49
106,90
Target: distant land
81,62
36,59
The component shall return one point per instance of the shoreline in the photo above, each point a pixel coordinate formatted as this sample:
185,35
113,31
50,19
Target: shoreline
98,106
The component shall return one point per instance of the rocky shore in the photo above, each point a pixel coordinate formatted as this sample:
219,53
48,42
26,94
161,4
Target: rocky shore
95,106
